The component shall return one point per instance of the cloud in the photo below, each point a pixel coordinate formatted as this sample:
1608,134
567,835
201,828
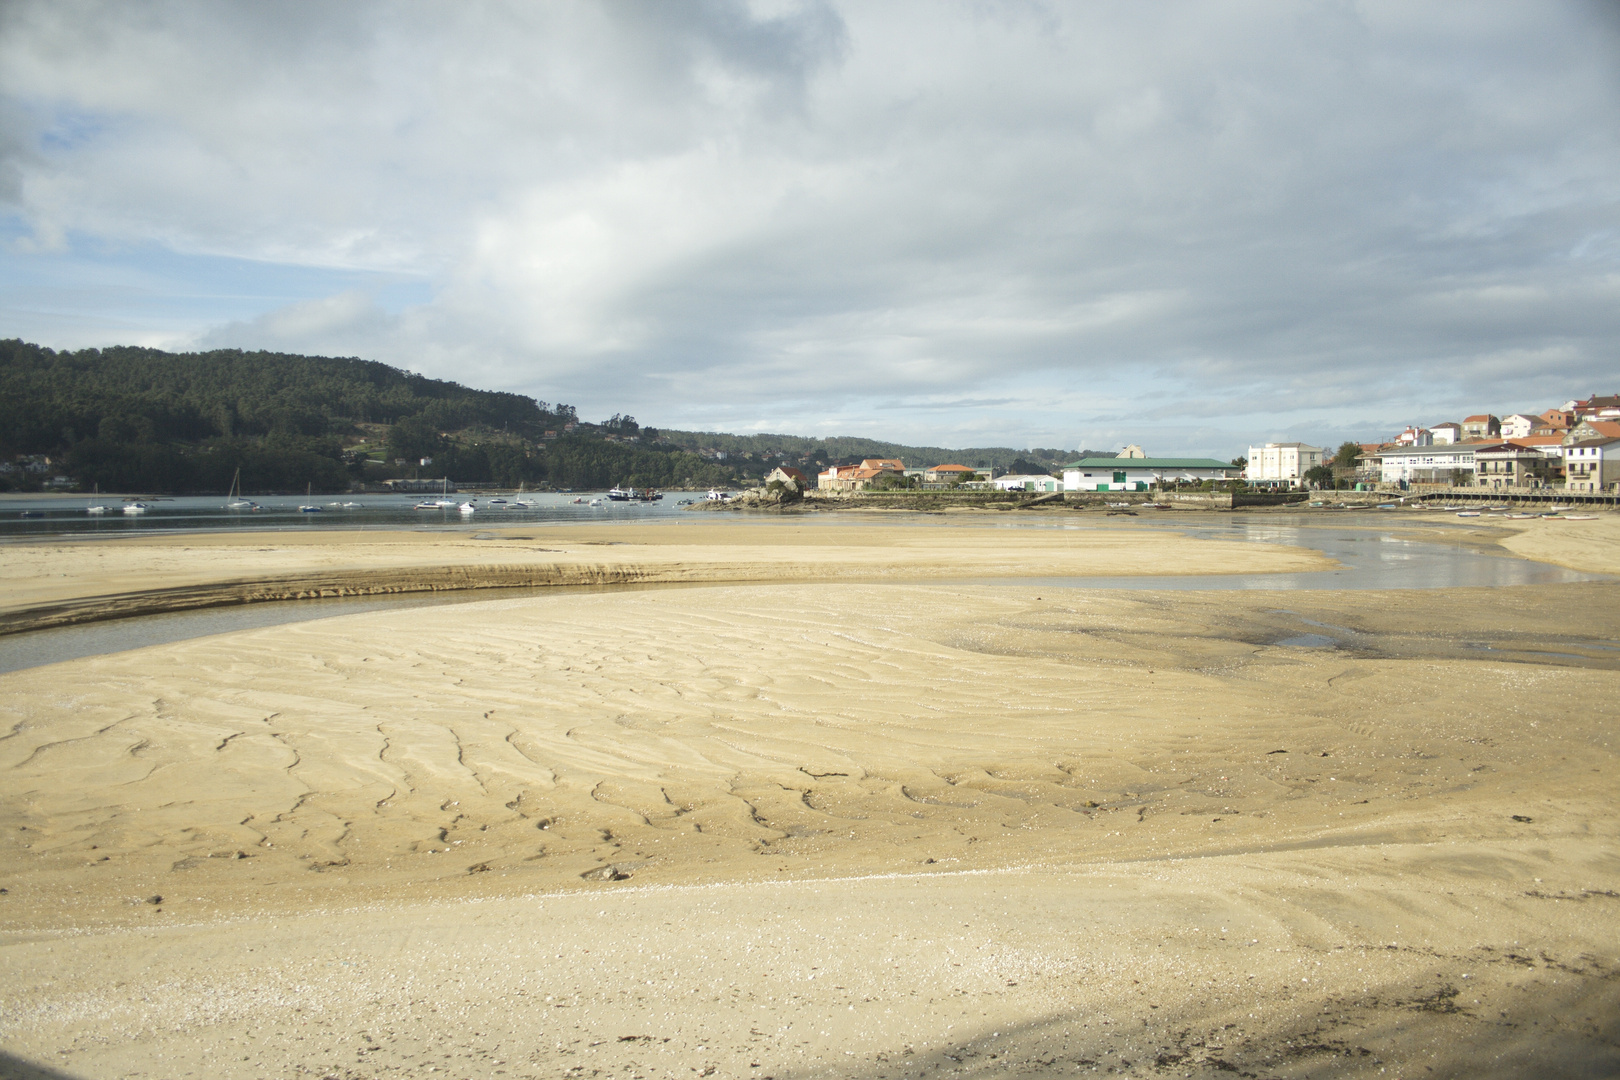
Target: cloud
1003,221
349,323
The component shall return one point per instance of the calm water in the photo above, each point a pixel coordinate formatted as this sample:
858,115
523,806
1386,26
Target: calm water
24,518
1372,556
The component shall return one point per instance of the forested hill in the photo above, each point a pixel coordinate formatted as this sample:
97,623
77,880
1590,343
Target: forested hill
850,448
50,400
130,419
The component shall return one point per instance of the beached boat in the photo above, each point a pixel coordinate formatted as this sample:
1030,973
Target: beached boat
1468,513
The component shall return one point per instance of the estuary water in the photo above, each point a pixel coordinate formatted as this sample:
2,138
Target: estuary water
22,517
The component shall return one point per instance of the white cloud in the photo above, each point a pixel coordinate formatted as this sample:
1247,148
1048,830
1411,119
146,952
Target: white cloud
987,219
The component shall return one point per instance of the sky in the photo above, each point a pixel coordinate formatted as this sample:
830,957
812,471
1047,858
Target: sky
1189,226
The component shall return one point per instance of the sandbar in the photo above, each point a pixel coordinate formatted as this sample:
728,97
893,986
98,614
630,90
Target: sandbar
815,822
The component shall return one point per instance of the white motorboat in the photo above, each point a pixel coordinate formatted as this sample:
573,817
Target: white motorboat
135,508
467,508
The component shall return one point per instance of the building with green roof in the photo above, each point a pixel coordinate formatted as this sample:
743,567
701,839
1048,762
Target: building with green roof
1140,473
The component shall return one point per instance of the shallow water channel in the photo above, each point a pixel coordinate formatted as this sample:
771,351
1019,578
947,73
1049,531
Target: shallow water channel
1371,558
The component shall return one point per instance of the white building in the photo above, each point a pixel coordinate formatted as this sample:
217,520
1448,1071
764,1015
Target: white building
1281,463
1427,465
1415,436
1446,434
1519,425
1592,466
1028,482
1140,473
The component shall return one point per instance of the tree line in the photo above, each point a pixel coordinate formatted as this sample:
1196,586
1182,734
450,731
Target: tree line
137,419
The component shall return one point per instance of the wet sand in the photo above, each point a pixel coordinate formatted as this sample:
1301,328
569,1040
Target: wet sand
840,828
61,582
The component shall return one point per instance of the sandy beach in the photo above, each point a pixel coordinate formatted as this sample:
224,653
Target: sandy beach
844,805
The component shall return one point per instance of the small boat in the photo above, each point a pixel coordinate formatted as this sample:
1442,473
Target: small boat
427,504
97,508
595,502
1519,517
619,494
497,502
1468,513
1556,509
579,501
308,507
233,498
467,508
135,508
1579,517
32,514
350,505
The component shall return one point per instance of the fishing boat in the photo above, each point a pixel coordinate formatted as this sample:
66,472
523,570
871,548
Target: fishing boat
619,494
233,498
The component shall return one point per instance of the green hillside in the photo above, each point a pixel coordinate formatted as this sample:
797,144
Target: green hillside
145,420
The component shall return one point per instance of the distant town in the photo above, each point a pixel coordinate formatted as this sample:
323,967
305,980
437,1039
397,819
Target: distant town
1573,448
